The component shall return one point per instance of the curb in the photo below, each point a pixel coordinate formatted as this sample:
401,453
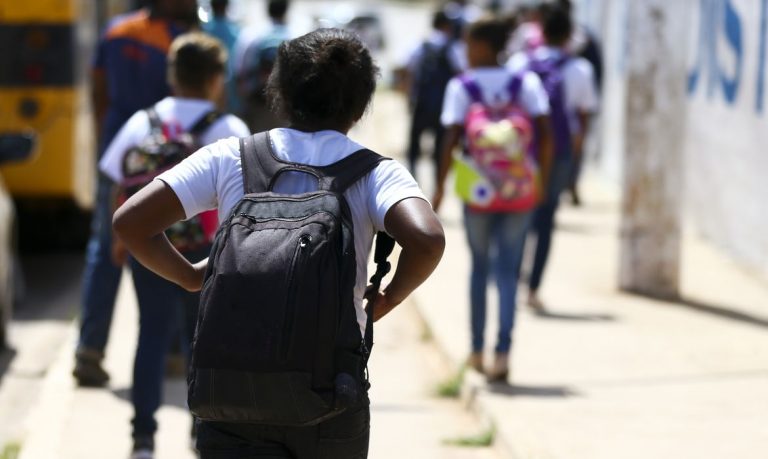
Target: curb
44,426
471,386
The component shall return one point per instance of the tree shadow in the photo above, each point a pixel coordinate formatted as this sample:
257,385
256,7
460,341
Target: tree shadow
717,310
516,390
722,312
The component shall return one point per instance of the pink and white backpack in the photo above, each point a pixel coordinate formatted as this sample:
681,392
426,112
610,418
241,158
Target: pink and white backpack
498,172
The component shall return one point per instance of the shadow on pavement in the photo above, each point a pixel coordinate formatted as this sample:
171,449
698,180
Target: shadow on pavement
6,357
531,391
174,393
52,287
574,317
720,311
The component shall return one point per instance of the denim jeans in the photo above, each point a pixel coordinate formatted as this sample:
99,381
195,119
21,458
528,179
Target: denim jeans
101,277
543,223
343,437
164,308
499,237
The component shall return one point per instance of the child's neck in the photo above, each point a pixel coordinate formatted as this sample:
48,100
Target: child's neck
189,94
481,64
307,128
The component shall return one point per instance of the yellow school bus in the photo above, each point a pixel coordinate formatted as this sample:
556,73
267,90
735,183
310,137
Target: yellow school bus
45,51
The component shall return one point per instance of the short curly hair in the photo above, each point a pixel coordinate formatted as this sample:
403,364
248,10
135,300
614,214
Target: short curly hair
326,77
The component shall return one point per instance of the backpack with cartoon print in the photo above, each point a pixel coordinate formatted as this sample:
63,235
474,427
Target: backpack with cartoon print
498,172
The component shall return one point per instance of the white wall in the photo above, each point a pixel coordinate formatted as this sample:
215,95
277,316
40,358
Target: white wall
726,153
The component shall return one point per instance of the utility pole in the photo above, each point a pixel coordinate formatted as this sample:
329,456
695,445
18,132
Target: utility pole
655,129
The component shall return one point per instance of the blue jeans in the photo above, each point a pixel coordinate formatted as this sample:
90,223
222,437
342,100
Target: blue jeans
101,277
504,233
164,308
544,219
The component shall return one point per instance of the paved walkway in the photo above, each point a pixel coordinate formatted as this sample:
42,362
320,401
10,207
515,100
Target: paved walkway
609,375
74,423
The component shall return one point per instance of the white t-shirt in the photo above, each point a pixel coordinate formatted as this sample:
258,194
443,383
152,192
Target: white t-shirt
178,115
212,178
493,83
578,81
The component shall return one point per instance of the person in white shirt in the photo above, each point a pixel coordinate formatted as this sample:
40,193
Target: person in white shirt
486,40
577,101
323,82
196,75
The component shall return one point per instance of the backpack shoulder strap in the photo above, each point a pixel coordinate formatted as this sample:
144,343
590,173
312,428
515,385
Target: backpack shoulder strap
515,85
342,174
472,88
261,167
155,123
205,122
258,162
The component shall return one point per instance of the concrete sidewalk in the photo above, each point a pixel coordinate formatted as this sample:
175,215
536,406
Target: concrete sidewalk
76,423
608,375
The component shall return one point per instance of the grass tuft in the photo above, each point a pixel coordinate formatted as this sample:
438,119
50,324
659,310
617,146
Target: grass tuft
451,387
10,451
482,440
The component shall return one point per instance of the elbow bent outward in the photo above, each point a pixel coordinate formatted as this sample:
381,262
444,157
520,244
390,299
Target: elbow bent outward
140,223
416,228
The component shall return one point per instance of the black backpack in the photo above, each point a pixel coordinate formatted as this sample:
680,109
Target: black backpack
277,339
158,153
433,72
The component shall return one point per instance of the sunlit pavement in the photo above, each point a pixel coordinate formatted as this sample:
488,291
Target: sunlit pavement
604,374
407,418
601,375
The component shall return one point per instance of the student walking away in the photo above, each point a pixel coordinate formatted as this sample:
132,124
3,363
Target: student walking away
152,141
257,64
570,85
498,113
227,31
282,339
430,67
129,74
583,43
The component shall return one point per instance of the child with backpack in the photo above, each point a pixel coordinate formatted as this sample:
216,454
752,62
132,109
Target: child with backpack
569,82
283,337
152,141
430,66
500,115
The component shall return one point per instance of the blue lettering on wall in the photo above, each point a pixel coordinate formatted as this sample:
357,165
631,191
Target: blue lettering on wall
760,93
718,19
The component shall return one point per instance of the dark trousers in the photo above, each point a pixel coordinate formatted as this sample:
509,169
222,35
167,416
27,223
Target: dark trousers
543,224
419,125
101,277
164,310
343,437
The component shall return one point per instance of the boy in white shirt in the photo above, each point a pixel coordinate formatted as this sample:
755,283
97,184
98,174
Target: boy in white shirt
196,73
577,100
486,39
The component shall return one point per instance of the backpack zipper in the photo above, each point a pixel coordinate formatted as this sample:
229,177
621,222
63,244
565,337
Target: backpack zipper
302,249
